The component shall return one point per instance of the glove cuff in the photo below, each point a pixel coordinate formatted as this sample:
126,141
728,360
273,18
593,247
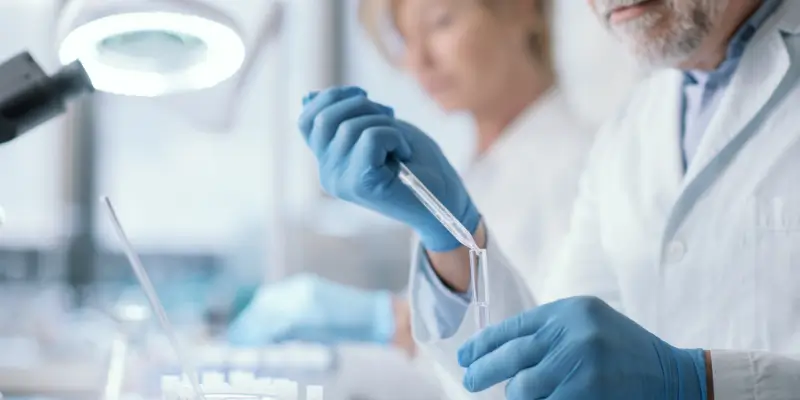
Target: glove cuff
383,328
690,374
698,362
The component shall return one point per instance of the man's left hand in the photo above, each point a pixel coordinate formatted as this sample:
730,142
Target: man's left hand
580,348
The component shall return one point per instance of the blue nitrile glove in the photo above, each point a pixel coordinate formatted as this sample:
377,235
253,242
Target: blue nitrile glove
310,309
358,142
580,348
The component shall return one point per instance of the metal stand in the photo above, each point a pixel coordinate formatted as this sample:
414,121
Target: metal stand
81,242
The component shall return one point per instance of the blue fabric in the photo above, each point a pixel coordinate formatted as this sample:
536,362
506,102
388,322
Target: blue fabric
703,90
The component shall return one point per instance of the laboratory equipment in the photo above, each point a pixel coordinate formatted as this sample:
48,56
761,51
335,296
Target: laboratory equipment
284,371
153,48
299,361
126,48
150,48
480,285
187,365
447,219
28,97
240,366
478,260
241,386
116,369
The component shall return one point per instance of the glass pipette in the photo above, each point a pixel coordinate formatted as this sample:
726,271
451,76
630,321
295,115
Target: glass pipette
478,262
445,217
150,292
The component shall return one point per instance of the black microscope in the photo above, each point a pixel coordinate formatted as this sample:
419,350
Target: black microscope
29,97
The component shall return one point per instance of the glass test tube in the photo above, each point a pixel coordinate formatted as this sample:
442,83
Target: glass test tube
480,285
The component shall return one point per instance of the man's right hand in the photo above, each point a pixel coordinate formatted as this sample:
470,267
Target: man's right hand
358,144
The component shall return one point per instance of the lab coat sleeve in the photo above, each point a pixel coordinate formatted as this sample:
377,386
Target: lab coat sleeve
755,375
440,341
442,309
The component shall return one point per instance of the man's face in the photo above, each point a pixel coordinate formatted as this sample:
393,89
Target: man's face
660,33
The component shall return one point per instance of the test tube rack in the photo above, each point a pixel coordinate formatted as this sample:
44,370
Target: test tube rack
292,361
238,385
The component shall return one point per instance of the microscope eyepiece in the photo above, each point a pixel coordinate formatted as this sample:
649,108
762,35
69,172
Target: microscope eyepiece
70,82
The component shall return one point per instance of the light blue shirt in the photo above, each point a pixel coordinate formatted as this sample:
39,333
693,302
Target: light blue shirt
702,92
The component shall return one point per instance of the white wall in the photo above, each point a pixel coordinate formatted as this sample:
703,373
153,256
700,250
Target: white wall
595,70
180,186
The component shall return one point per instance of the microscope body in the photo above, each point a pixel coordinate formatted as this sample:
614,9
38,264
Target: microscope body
29,97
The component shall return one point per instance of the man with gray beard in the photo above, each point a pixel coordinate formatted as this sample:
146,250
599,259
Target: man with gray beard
680,278
721,89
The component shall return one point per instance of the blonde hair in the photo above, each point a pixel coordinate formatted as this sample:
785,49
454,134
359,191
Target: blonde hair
373,16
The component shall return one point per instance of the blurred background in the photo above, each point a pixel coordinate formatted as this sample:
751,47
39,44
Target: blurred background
215,187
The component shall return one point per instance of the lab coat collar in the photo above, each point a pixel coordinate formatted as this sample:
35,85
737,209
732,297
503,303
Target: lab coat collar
760,80
789,17
761,71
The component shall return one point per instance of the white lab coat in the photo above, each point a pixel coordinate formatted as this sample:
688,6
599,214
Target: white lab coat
526,184
708,259
527,181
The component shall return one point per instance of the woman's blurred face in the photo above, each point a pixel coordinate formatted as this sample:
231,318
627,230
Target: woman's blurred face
464,54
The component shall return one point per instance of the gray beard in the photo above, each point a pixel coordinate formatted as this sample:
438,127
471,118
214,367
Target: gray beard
667,38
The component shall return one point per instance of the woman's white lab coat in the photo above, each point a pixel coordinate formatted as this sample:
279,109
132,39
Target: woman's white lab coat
527,181
710,259
526,184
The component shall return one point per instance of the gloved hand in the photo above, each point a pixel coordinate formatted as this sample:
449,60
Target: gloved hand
358,144
580,348
310,309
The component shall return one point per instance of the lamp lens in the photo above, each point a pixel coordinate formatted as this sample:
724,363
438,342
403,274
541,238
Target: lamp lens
152,51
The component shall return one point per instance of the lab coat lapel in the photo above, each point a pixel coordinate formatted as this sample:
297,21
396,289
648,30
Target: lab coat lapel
760,77
759,74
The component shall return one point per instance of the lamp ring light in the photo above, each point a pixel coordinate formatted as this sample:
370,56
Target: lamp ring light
150,48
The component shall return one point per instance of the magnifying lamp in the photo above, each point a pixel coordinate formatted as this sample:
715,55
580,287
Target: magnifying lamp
150,48
135,48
